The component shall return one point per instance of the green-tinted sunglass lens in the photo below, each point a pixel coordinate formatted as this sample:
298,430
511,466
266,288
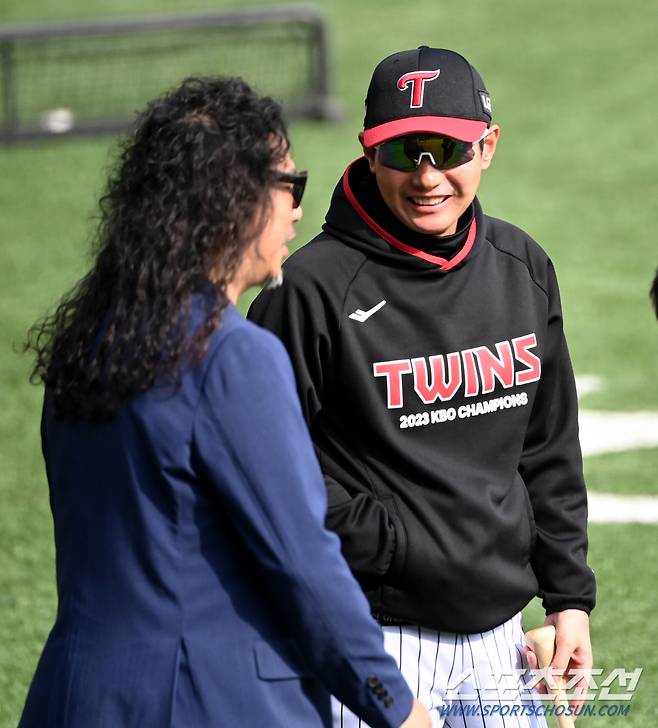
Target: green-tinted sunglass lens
406,153
394,154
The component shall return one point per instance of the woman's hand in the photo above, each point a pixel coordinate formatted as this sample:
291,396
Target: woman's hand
418,718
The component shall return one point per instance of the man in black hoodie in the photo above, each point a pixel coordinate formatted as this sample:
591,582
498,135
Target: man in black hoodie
427,343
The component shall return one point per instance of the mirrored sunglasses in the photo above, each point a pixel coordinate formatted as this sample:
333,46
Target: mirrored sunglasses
406,153
298,182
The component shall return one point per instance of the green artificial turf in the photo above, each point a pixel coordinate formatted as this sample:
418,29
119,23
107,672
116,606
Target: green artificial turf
633,472
623,625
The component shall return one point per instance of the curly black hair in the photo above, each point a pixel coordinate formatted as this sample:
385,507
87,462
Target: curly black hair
188,195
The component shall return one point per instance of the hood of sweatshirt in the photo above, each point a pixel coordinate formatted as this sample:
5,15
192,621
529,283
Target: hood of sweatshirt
359,217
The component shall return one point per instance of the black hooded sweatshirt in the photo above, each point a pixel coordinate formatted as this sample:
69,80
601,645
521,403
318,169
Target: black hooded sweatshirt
436,381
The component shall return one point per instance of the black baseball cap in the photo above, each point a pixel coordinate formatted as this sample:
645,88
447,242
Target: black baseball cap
431,90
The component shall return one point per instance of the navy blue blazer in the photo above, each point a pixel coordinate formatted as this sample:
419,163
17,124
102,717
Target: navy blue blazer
198,587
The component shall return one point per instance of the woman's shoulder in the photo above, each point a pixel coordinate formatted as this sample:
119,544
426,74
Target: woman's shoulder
238,342
244,363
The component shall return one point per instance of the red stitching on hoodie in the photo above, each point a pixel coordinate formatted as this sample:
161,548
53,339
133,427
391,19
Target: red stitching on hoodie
442,263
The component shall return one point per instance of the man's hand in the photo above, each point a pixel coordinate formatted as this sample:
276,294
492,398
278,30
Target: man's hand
418,718
573,649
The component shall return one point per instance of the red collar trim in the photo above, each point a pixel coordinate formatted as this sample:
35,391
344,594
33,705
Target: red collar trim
442,263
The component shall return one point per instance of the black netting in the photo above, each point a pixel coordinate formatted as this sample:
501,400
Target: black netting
99,80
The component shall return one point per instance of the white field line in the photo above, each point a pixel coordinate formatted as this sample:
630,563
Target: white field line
616,431
605,508
602,432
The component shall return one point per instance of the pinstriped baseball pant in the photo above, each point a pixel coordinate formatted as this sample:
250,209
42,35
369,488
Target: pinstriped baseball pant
458,677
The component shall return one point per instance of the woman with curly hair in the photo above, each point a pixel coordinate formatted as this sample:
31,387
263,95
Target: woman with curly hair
197,585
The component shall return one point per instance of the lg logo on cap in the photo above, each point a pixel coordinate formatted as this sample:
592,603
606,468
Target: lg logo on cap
417,80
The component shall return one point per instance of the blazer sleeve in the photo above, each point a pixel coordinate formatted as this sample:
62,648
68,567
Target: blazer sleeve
552,468
254,449
302,315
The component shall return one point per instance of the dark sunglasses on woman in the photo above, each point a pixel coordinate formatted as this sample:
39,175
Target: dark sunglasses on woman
298,182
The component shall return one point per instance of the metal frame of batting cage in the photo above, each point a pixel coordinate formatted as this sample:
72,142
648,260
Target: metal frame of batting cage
319,104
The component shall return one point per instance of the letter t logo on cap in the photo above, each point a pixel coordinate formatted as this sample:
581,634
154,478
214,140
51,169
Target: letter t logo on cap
417,80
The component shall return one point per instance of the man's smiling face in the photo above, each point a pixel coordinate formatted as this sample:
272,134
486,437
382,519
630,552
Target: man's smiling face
429,200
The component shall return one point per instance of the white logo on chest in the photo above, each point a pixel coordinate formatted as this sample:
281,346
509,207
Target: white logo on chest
362,316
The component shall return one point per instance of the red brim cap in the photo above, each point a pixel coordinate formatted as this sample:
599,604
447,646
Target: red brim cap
466,130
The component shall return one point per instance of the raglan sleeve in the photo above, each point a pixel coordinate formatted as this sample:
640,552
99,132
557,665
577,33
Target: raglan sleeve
551,466
253,448
299,316
303,315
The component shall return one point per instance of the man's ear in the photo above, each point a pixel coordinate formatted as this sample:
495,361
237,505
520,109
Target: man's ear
490,143
369,154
